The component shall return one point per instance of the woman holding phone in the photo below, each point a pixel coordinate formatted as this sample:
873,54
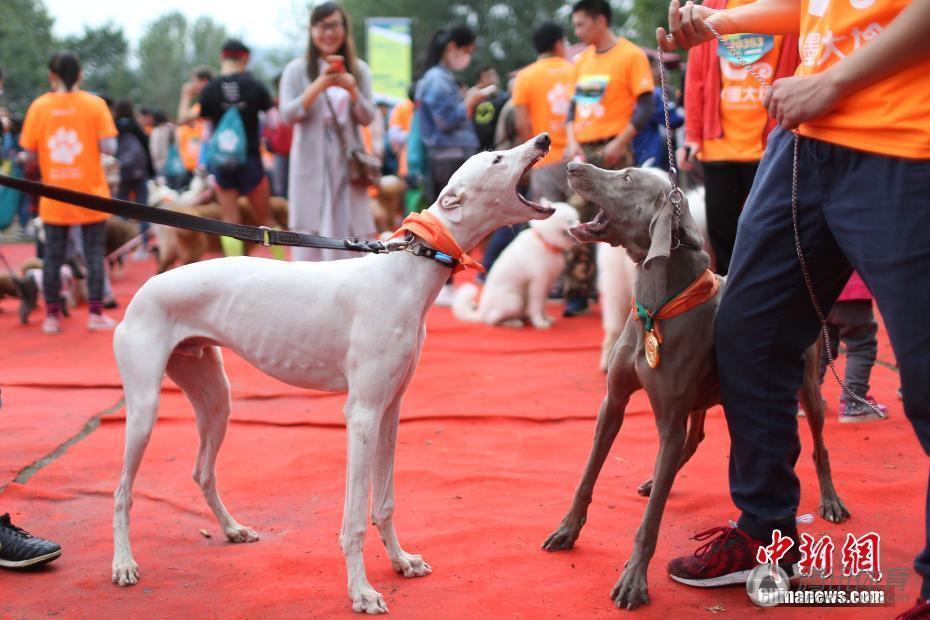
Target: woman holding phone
327,97
443,113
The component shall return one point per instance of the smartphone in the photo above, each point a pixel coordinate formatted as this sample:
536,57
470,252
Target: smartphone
337,66
489,91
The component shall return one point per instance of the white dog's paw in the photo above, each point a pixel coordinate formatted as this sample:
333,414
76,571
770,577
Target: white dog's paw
410,565
543,322
367,600
125,573
240,534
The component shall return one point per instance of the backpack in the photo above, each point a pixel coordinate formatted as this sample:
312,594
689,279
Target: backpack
9,197
131,156
174,166
226,151
278,134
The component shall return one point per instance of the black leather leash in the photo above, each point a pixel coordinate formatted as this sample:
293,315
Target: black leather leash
133,210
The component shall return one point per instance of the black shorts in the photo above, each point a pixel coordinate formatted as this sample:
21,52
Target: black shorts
244,179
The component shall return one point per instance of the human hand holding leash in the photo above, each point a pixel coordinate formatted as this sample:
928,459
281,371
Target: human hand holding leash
686,26
686,155
794,100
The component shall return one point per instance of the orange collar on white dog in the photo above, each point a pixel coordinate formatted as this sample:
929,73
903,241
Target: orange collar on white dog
431,229
549,246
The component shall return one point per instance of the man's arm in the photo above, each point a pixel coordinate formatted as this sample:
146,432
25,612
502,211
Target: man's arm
522,122
687,29
903,44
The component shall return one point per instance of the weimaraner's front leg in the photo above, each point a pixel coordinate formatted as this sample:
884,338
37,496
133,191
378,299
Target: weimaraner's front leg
609,421
831,506
631,590
693,440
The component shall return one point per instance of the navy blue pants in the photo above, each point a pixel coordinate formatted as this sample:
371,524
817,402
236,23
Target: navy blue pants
857,210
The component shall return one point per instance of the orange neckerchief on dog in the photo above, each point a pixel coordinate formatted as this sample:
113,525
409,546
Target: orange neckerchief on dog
703,288
429,228
549,246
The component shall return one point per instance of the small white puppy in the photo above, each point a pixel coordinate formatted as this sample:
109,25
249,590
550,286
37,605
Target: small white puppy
616,272
520,280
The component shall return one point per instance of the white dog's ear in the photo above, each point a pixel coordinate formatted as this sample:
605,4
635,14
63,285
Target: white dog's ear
660,234
452,203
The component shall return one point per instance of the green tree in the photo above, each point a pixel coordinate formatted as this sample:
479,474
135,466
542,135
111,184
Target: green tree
26,45
168,50
104,54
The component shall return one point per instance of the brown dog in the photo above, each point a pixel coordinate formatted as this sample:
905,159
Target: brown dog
178,245
635,212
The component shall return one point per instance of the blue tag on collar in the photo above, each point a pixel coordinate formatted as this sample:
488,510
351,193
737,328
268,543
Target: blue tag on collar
444,258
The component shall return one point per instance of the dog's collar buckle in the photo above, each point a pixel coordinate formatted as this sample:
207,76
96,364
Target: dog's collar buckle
418,249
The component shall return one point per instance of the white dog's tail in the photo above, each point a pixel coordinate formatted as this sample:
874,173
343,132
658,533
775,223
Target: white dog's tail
465,303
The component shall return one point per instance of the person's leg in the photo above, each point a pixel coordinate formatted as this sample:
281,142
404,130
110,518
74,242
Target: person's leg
56,241
764,324
141,191
881,221
94,237
724,198
859,333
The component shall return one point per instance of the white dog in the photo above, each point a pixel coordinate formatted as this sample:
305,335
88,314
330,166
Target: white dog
519,282
355,325
616,272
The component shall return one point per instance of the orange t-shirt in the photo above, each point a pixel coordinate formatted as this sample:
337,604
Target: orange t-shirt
401,116
742,116
606,88
890,117
545,89
190,138
65,129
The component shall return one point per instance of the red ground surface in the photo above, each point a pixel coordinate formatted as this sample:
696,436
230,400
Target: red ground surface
495,430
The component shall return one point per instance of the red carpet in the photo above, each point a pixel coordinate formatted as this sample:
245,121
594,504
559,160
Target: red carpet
496,427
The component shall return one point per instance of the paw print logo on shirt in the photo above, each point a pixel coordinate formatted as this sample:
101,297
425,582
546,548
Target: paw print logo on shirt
227,141
64,146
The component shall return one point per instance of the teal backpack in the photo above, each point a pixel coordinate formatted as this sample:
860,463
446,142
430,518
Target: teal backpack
226,151
174,166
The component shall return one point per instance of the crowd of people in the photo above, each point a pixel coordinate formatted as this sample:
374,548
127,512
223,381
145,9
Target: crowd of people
600,101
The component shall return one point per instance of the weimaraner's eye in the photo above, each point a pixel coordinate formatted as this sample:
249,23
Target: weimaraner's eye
627,178
497,159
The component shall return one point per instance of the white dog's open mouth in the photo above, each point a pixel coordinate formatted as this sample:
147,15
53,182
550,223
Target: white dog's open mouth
535,205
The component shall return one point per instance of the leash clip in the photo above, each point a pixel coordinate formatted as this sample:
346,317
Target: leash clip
676,196
266,236
396,245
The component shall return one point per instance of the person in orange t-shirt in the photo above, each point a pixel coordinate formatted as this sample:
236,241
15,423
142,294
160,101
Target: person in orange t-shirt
541,97
726,124
612,102
68,129
399,129
859,102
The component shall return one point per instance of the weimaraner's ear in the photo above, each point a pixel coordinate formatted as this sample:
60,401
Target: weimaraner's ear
452,203
660,233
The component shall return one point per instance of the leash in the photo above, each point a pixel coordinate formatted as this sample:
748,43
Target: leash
256,234
673,174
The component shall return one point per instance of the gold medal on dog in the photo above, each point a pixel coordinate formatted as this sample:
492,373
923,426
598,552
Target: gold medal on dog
651,348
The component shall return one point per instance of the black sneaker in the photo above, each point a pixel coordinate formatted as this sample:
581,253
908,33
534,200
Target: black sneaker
19,548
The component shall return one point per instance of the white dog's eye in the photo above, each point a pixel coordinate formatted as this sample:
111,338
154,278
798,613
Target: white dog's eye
497,159
627,178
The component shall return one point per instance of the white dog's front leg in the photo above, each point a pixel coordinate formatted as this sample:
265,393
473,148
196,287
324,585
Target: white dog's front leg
362,428
382,508
537,293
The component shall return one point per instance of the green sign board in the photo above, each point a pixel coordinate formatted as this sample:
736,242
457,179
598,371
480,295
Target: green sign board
390,55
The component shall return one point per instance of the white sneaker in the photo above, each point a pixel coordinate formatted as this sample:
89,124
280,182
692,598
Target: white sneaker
100,322
445,297
51,325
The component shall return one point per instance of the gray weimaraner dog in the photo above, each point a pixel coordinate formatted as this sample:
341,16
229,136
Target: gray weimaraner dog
635,212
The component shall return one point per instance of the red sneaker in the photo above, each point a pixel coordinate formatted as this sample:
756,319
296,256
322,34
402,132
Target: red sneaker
727,559
920,611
